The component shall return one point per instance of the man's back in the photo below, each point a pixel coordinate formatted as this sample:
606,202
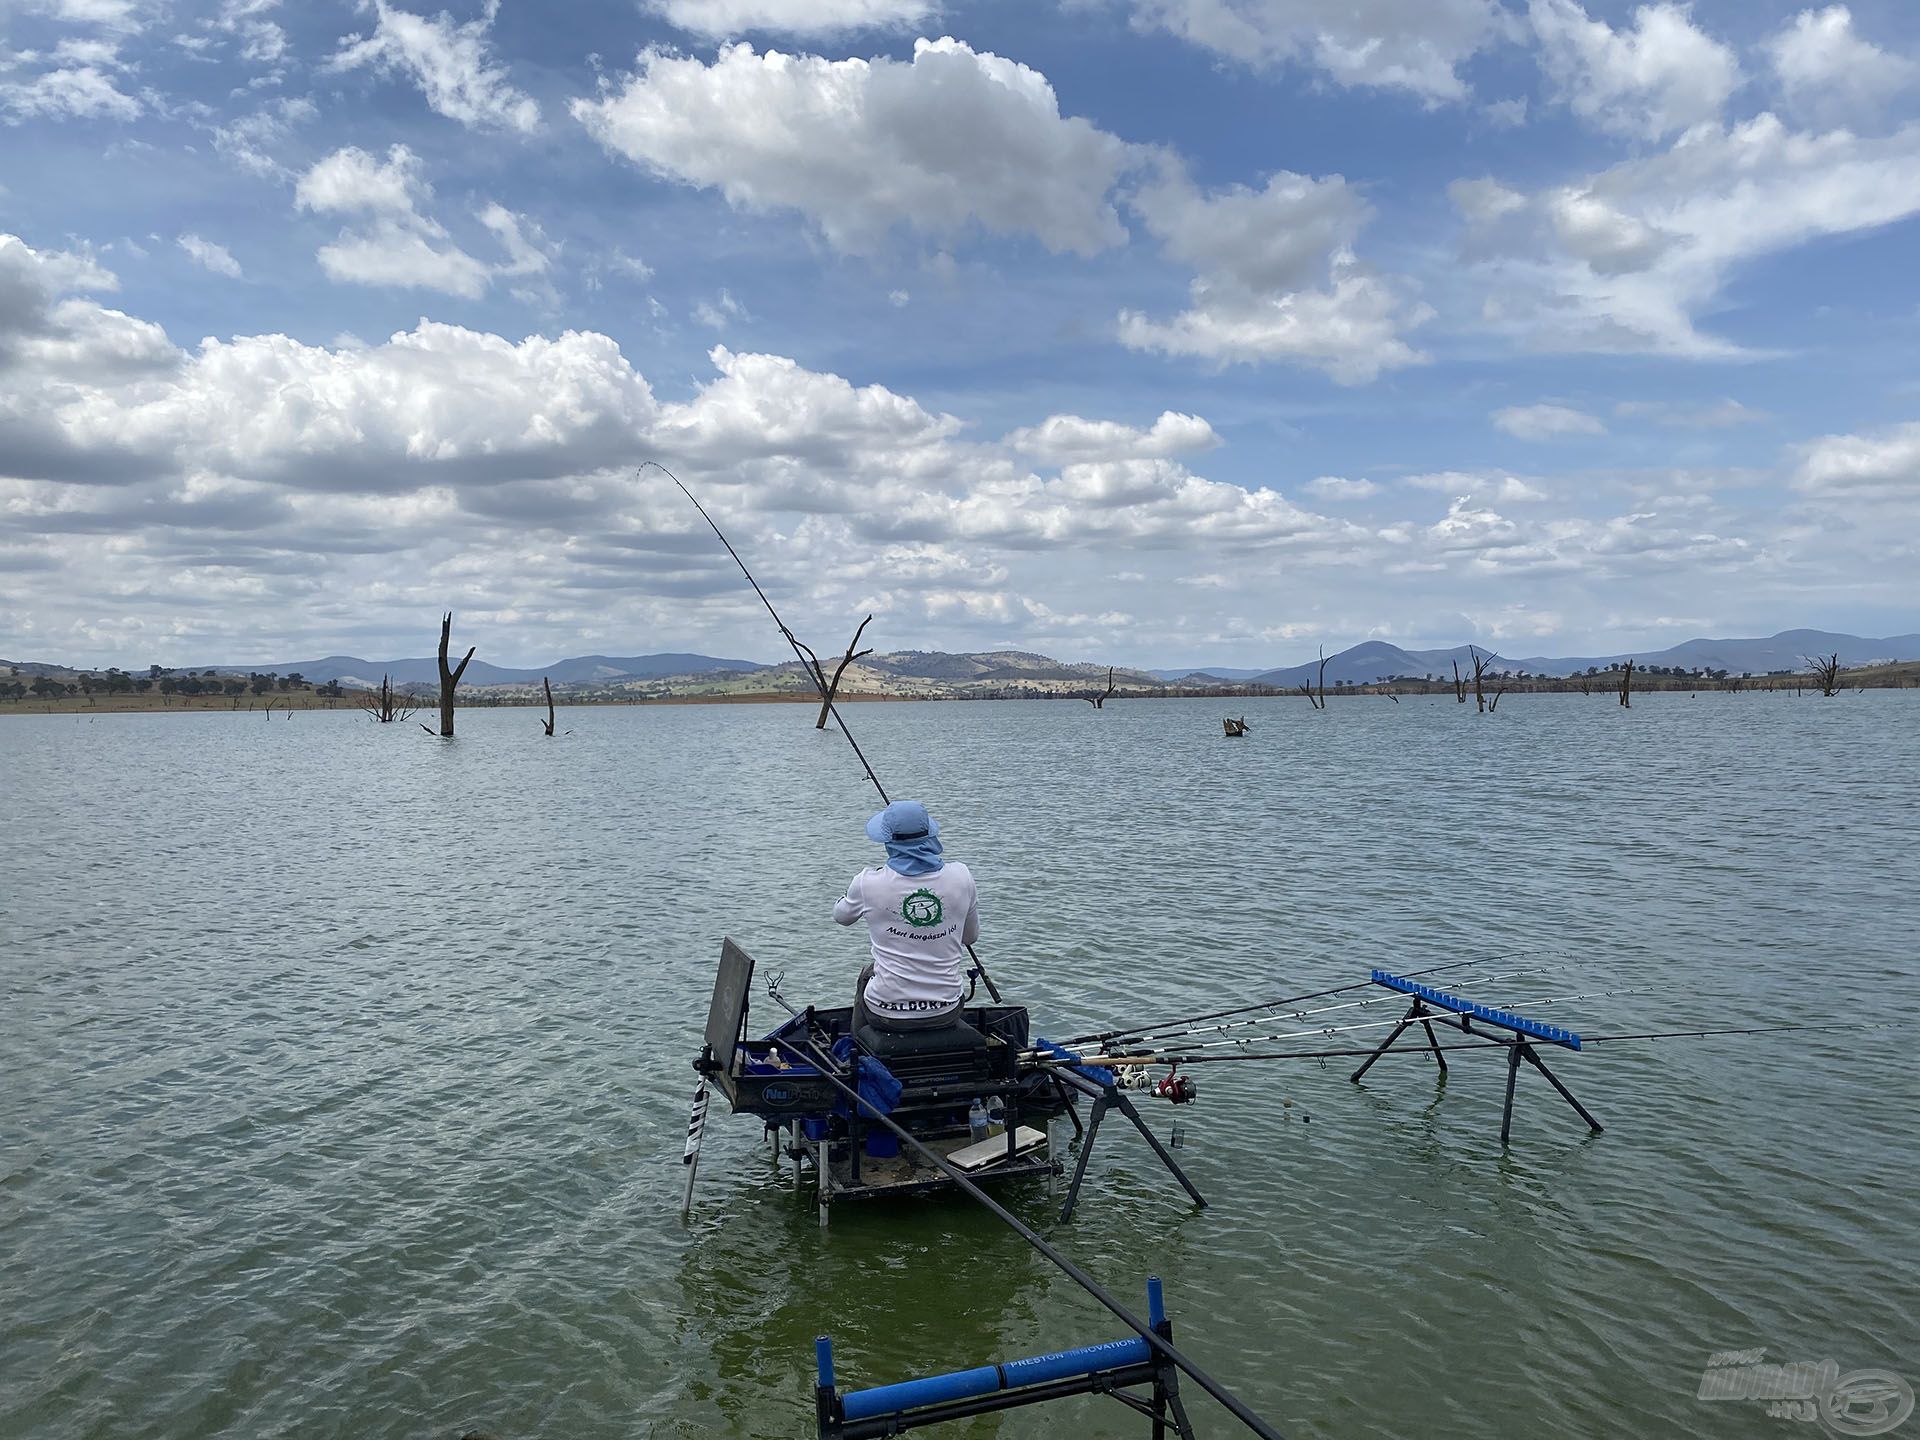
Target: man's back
920,926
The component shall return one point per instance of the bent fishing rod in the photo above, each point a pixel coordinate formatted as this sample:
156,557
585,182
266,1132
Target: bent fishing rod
810,663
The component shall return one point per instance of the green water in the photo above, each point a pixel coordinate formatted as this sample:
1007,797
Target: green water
346,1071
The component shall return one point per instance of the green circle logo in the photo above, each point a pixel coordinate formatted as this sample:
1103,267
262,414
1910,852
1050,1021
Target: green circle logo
921,909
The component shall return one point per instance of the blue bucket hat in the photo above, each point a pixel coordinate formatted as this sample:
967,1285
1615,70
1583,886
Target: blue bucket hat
905,820
911,835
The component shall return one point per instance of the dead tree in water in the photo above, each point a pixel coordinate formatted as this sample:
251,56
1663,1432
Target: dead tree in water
387,707
547,685
1826,673
833,685
1319,701
449,678
1626,685
1480,663
1459,684
1099,702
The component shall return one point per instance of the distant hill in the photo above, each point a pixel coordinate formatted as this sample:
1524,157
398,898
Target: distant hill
1786,651
1375,660
922,673
1206,672
580,670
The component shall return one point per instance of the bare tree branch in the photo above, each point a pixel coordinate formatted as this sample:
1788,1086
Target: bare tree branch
831,688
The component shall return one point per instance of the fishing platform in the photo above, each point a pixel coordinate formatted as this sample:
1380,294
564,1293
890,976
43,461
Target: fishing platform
795,1079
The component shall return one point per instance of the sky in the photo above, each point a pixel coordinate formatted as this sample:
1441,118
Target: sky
1149,332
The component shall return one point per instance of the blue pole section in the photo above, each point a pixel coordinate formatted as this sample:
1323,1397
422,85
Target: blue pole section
986,1379
823,1358
1156,1303
1037,1369
911,1394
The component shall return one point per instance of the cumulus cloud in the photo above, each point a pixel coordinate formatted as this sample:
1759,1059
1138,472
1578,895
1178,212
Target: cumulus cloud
1277,237
77,81
1350,328
1495,485
1060,439
448,61
1546,422
1411,45
356,487
1624,259
724,19
1884,466
1827,71
1337,488
1659,76
1257,253
391,241
953,138
210,256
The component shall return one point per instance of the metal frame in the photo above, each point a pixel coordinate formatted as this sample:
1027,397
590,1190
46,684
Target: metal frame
1111,1369
1436,1007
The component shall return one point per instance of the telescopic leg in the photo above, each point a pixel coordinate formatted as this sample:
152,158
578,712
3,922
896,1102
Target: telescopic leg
1565,1094
1513,1073
1439,1059
1398,1030
1086,1153
1126,1109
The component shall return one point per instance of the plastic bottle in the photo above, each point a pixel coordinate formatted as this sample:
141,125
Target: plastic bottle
996,1115
977,1120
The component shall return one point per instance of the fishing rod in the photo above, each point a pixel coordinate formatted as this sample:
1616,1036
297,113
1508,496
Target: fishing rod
1153,1058
1387,998
1585,1040
810,663
1276,1004
813,1055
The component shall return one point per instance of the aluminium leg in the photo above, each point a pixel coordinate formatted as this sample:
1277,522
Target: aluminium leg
1086,1153
1514,1048
1126,1109
1398,1030
1565,1094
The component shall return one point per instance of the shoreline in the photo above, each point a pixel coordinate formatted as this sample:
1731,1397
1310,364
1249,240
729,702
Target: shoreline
307,700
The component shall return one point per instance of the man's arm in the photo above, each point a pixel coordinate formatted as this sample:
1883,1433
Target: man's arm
850,907
970,931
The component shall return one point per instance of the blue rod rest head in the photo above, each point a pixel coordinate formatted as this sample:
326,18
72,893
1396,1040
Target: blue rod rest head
1156,1302
823,1358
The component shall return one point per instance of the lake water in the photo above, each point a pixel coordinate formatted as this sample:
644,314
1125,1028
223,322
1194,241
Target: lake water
346,1070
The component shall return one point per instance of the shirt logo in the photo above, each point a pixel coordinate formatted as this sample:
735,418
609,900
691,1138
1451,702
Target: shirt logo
921,909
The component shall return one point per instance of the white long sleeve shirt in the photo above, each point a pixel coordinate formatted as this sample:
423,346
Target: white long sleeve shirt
920,927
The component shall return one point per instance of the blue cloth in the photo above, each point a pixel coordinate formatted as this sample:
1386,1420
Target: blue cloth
1099,1074
878,1085
911,835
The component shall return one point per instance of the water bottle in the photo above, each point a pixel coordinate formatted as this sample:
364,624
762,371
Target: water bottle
996,1115
977,1120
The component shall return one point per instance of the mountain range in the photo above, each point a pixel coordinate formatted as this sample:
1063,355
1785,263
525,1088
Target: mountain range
928,672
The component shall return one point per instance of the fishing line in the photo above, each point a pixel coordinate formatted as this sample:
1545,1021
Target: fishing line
1585,1040
1169,1025
1385,998
810,663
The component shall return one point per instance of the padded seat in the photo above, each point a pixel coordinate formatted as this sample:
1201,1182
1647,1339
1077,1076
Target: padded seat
958,1042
